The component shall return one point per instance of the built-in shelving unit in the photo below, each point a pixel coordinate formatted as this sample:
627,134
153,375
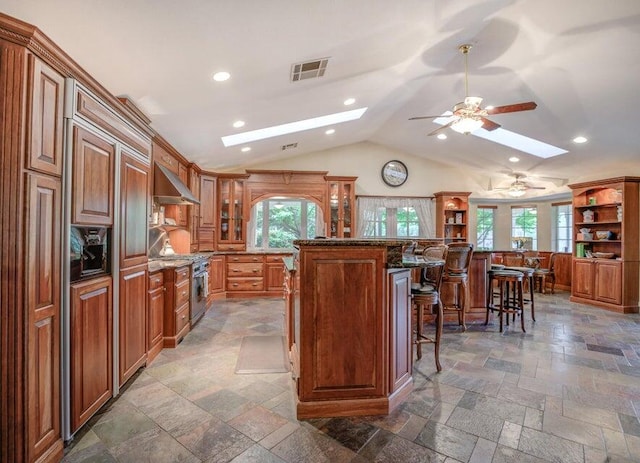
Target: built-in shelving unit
606,243
452,216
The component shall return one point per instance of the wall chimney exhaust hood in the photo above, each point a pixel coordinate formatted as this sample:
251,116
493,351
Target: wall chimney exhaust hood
169,189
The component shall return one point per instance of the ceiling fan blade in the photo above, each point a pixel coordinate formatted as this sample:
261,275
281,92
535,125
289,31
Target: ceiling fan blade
422,117
441,128
512,108
536,188
489,125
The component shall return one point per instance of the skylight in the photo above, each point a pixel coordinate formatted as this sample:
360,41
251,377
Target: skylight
511,139
292,127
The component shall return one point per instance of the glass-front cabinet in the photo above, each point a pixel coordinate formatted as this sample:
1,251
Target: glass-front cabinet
231,226
342,197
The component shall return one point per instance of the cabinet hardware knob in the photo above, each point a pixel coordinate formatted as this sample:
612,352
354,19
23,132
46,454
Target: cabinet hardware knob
184,316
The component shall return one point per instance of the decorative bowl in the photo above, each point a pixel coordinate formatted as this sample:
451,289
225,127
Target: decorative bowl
603,255
602,234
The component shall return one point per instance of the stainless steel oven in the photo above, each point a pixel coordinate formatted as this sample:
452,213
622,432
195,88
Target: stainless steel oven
199,288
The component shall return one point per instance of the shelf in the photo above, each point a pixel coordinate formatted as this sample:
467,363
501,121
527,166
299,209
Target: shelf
455,210
615,222
599,241
589,206
451,224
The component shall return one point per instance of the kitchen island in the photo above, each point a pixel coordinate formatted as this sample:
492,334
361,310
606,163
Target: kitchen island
351,343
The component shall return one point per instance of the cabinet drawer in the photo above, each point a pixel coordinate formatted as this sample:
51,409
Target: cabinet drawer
245,258
156,280
231,247
182,274
245,284
275,259
242,269
182,318
182,293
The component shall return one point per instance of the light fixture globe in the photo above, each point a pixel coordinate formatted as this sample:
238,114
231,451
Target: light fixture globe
466,125
516,191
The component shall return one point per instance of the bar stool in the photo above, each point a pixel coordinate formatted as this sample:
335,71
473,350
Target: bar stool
426,300
456,274
528,273
508,305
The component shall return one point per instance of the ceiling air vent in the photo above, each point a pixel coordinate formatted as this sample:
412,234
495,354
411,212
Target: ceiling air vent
308,70
290,146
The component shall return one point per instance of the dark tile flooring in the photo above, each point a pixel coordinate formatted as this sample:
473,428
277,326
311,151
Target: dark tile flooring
567,390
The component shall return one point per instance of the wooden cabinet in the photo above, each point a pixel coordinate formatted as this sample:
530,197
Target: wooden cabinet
91,348
341,207
46,128
176,305
274,273
231,226
355,341
43,313
452,216
216,276
245,275
606,254
207,219
155,310
132,321
134,203
93,180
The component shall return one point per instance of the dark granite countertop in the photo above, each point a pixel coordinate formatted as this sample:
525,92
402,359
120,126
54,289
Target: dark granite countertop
156,265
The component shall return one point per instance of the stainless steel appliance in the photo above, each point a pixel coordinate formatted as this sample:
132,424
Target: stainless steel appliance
89,253
199,288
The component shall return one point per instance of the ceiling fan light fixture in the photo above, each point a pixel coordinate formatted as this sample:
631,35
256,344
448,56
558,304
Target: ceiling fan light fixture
466,125
516,192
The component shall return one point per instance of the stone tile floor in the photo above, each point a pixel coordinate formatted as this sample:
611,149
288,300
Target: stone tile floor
567,390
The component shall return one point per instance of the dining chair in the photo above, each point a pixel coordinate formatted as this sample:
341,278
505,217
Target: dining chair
542,275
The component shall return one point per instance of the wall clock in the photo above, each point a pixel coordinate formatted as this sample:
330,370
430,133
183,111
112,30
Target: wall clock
394,173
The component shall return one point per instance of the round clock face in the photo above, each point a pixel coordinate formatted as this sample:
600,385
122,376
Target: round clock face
394,173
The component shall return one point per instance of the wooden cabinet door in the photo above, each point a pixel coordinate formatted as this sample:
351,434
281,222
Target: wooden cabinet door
400,342
216,274
154,315
92,184
274,274
132,321
608,281
207,202
46,124
43,225
583,279
91,348
134,197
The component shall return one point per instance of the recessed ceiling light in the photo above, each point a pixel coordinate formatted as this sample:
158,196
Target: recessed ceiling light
442,136
349,101
221,76
246,149
330,131
513,159
292,127
580,139
238,124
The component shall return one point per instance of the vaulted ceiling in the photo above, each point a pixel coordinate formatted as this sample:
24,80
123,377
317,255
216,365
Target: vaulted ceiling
579,60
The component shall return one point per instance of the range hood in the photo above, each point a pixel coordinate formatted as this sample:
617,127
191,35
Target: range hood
169,189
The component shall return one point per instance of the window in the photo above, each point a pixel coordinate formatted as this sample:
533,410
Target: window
397,217
484,227
524,224
563,229
277,222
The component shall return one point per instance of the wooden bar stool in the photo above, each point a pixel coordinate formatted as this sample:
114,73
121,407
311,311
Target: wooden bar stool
426,300
506,278
456,276
528,273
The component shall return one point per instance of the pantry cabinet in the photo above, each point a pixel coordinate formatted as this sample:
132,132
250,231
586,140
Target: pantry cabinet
132,321
207,218
155,310
606,230
231,230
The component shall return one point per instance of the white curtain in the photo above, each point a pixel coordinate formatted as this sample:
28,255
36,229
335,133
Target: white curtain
368,207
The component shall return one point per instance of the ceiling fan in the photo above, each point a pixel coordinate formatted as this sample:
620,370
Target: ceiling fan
518,187
468,115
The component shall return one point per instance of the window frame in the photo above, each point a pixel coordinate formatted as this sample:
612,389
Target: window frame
526,211
493,222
